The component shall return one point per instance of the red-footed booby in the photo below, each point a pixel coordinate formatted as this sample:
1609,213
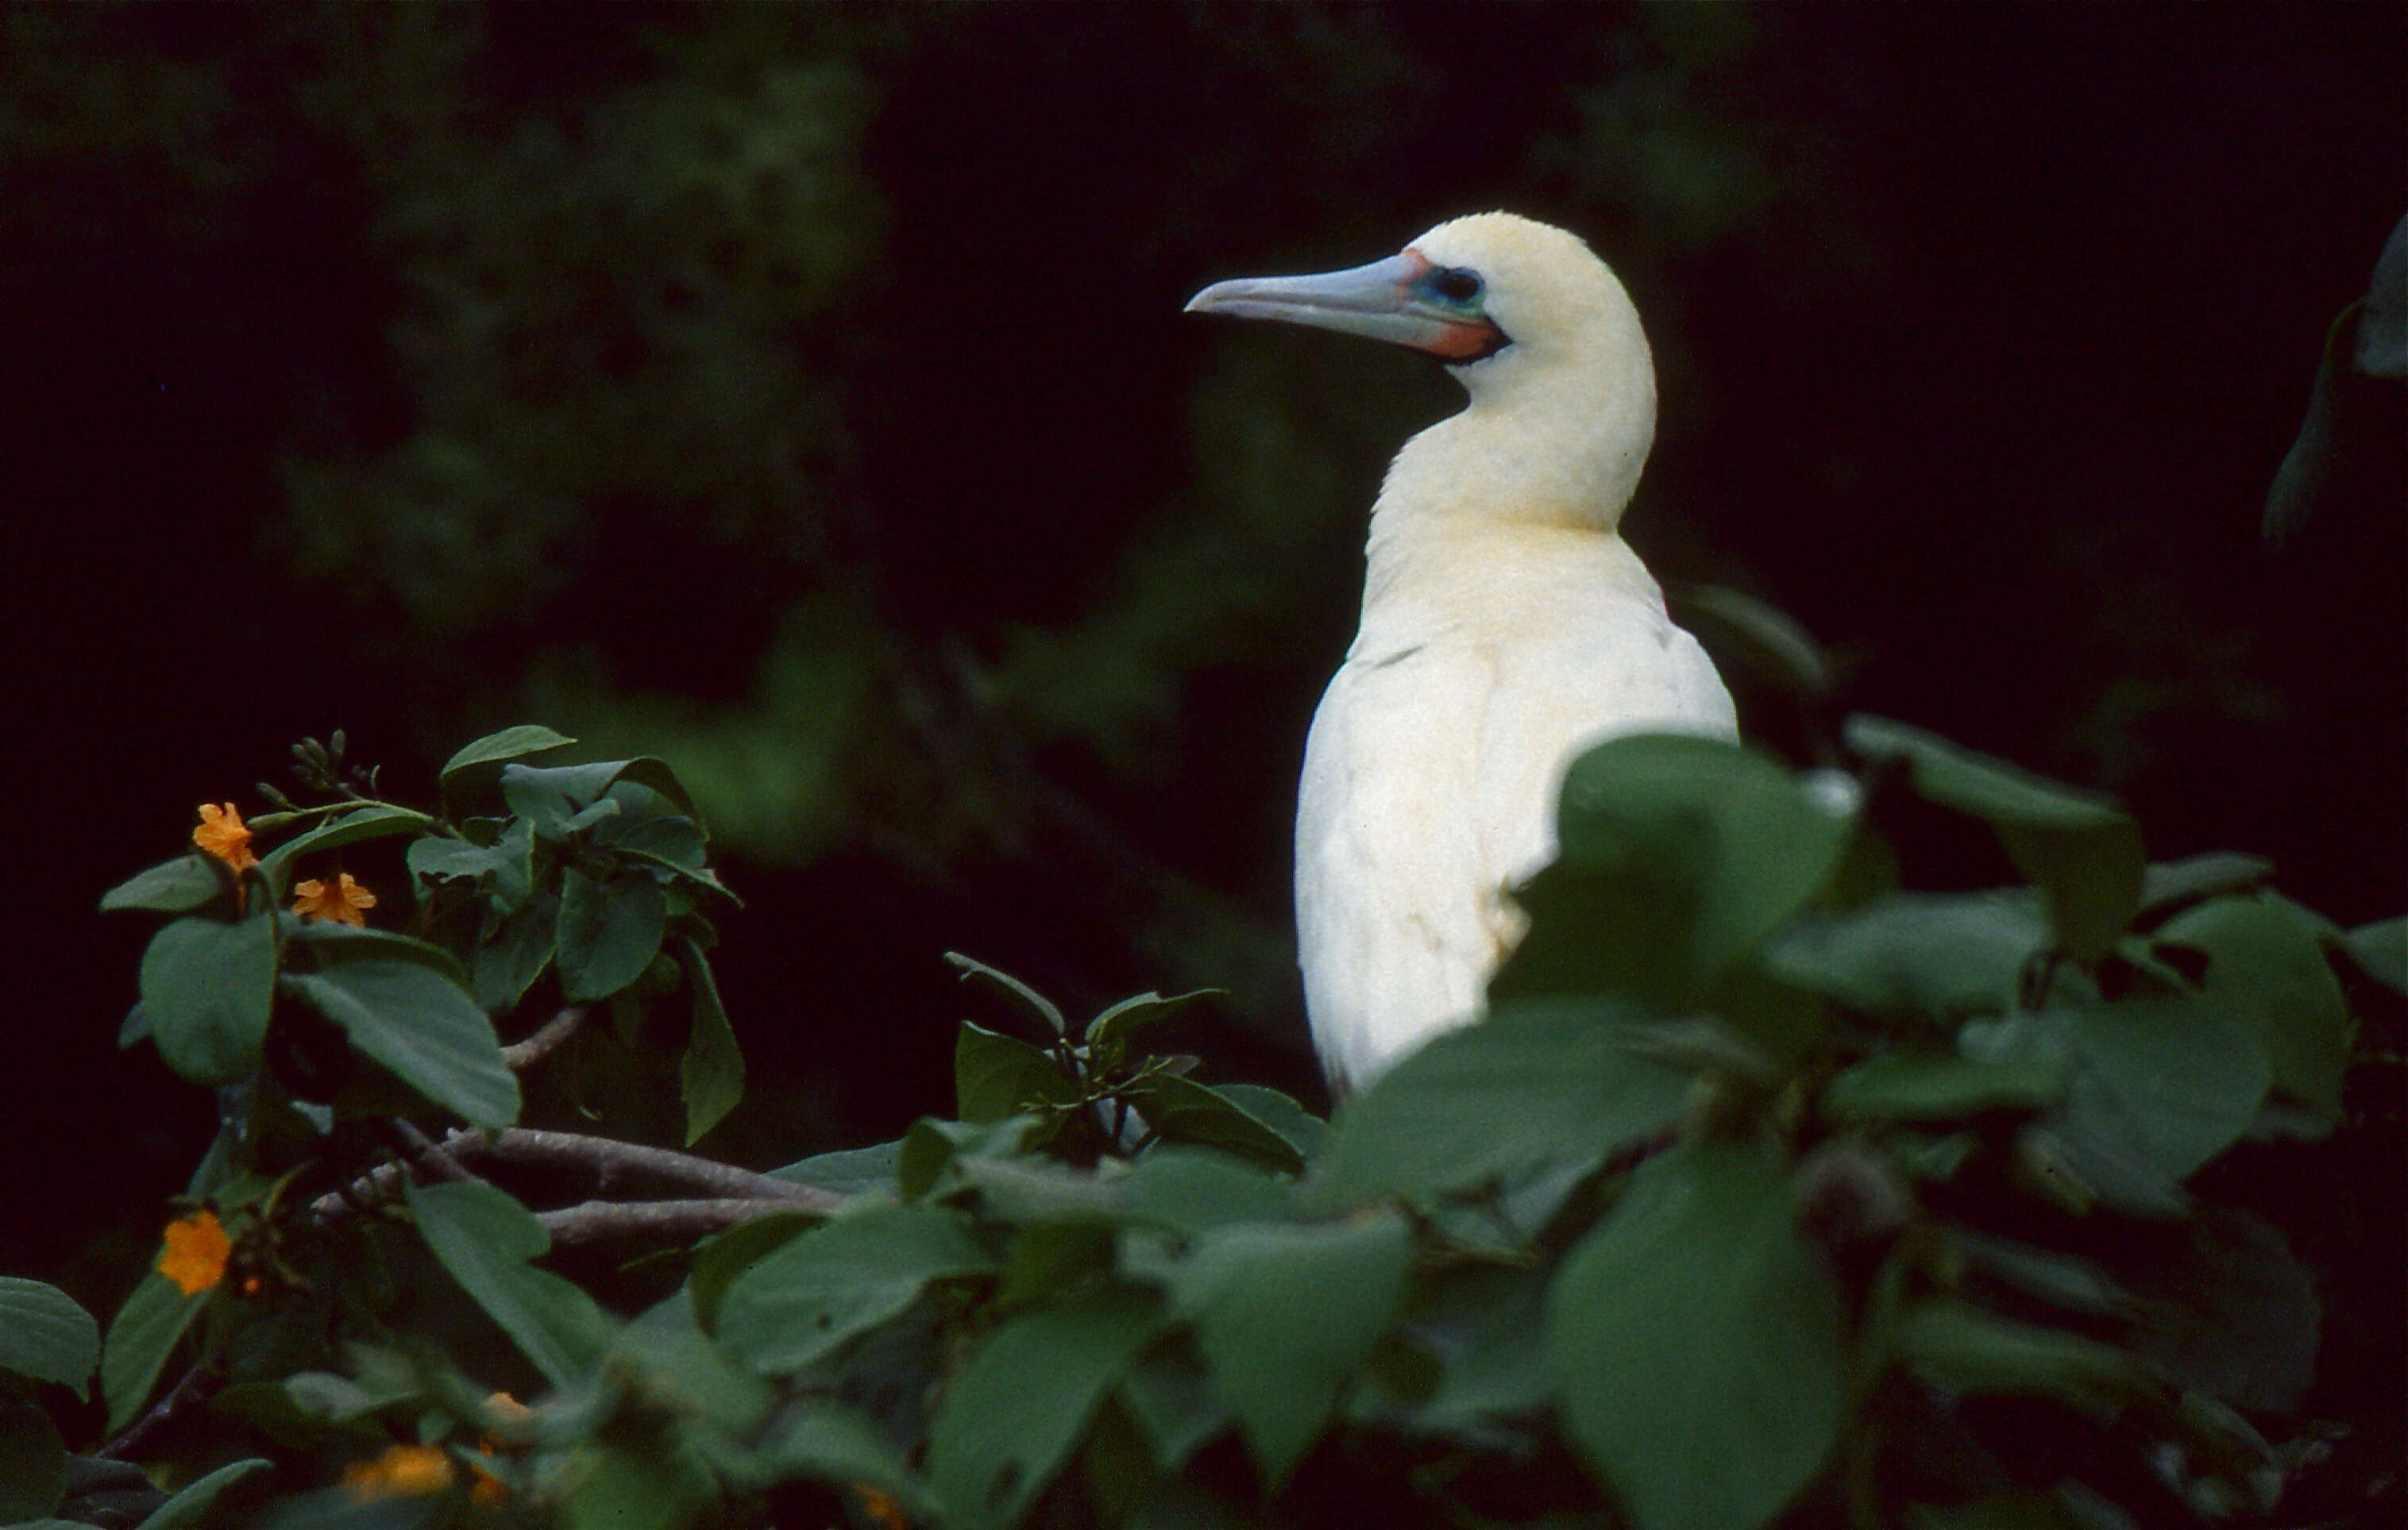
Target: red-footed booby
1506,624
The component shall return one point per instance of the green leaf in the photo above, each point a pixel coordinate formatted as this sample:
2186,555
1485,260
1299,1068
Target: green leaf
1761,638
1695,1342
1534,1084
33,1461
803,1300
198,1496
2184,1079
44,1333
1958,1346
172,887
851,1170
1487,1329
375,822
729,1254
1915,953
323,944
417,1021
1114,1026
1901,1086
509,744
206,989
2169,884
2381,951
1307,1133
550,798
483,1238
1191,1190
1679,856
2274,974
609,932
1012,1414
1285,1316
710,1075
1182,1110
931,1146
141,1337
507,962
1018,994
996,1076
1169,1394
2081,850
831,1443
637,1487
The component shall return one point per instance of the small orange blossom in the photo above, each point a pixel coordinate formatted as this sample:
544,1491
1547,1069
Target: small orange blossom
880,1508
402,1468
196,1253
345,902
223,834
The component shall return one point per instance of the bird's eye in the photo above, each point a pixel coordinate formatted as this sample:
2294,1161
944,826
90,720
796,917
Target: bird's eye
1455,284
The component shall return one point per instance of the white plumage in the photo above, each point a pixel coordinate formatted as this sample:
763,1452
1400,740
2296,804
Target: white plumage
1506,624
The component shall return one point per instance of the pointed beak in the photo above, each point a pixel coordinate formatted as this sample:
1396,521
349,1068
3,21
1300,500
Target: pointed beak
1382,301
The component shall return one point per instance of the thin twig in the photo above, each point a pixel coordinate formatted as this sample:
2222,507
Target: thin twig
519,1056
606,1161
423,1149
596,1222
194,1390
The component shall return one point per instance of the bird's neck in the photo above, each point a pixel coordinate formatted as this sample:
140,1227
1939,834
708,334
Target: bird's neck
1555,451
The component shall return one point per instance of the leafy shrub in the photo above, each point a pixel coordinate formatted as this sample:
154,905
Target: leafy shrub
1770,1191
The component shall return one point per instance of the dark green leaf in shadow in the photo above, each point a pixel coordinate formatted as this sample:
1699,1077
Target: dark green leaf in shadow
1017,995
419,1023
1915,953
710,1074
2274,974
206,990
1181,1109
1534,1084
1961,1348
141,1337
998,1076
1285,1316
484,1239
1012,1414
729,1254
1114,1025
804,1299
191,1505
2381,951
33,1461
172,887
2081,850
1695,1324
377,820
1903,1086
609,932
46,1336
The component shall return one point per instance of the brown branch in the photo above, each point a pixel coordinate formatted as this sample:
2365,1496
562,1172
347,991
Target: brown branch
606,1161
195,1389
596,1222
519,1056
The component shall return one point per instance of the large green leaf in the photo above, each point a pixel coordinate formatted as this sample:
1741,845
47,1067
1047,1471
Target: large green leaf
1012,1413
33,1461
1964,1349
1285,1316
2184,1079
996,1076
172,887
848,1169
44,1333
1903,1086
1535,1083
206,990
1182,1110
812,1294
2274,976
141,1337
421,1024
1917,954
1679,855
2081,850
609,932
710,1075
1193,1189
729,1254
509,744
198,1496
1695,1342
1029,1003
508,961
374,822
484,1239
550,798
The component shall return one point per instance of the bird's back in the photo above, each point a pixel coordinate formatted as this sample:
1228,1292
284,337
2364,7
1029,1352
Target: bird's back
1483,667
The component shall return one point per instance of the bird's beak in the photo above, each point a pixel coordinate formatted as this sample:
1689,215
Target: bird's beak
1382,301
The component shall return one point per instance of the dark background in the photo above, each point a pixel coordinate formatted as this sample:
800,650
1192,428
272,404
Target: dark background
803,395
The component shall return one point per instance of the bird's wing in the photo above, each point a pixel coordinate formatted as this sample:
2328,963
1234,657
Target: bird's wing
1391,929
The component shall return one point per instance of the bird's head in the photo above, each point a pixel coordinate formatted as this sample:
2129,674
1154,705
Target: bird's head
1496,296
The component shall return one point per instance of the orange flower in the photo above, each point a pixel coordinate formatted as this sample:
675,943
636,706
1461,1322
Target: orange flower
223,834
346,903
880,1508
402,1468
196,1253
484,1487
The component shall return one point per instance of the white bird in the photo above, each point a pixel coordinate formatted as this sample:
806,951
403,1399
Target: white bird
1506,624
